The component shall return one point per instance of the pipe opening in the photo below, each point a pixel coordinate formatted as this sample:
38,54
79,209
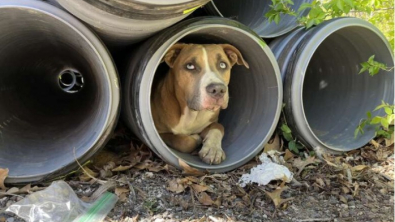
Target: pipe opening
335,97
254,96
43,129
71,81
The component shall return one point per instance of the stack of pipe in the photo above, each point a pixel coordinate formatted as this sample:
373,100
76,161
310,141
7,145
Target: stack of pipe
60,94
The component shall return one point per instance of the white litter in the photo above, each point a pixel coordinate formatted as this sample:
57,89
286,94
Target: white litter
266,172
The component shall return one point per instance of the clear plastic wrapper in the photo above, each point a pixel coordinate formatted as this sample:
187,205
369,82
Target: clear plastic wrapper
59,203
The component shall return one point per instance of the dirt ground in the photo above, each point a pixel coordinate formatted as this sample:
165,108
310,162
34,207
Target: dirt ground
355,186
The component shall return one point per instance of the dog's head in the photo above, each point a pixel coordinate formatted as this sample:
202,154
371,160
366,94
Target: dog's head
202,73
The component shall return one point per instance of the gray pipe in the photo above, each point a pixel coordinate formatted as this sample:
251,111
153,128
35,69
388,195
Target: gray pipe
324,95
256,93
252,14
43,129
123,22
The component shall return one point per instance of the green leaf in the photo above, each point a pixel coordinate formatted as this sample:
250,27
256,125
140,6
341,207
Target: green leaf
371,58
388,110
376,120
369,115
285,129
292,146
339,4
384,123
277,18
309,23
288,136
304,6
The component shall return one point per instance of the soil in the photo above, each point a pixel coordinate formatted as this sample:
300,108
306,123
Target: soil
355,186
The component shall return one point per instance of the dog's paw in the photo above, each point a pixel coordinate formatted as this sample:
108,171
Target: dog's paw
212,153
197,138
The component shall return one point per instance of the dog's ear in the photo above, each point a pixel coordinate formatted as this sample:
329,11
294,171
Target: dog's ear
172,54
234,55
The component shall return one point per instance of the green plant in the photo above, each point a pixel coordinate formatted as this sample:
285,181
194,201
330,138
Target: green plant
278,8
293,144
373,67
384,124
379,12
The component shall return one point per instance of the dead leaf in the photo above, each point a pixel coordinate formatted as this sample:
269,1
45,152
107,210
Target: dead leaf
375,144
122,193
13,190
26,188
389,142
276,196
288,155
188,170
3,175
205,199
199,188
345,190
87,174
175,186
274,145
301,164
359,168
121,168
320,182
343,199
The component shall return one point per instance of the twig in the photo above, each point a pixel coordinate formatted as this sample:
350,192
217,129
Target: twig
86,172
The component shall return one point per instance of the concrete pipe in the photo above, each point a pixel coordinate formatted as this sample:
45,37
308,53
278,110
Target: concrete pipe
59,92
324,95
252,13
122,22
256,93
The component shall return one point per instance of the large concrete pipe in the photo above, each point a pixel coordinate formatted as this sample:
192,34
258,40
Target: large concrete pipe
255,93
252,13
59,92
325,97
122,22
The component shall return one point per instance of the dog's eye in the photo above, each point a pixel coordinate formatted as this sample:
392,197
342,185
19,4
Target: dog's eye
190,66
222,65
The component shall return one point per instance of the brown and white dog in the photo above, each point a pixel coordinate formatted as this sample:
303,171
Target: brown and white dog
186,102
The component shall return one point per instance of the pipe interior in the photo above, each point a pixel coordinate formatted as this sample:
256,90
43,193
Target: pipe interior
253,97
40,124
252,13
335,97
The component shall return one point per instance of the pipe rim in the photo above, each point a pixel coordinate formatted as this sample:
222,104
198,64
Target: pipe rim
213,9
318,35
112,77
144,100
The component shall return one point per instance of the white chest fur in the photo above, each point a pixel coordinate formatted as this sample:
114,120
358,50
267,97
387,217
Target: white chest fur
192,122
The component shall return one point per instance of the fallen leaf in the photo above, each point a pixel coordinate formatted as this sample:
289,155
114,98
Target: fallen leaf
121,168
359,168
205,199
122,193
389,142
375,144
199,188
301,164
175,186
188,170
26,188
274,145
276,196
343,199
13,190
320,182
3,175
288,155
345,190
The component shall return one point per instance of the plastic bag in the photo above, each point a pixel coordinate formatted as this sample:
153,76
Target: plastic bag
59,203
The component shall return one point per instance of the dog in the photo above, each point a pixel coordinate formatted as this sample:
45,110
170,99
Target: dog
186,102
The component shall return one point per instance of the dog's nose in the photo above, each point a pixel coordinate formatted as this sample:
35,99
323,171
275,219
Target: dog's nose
216,90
